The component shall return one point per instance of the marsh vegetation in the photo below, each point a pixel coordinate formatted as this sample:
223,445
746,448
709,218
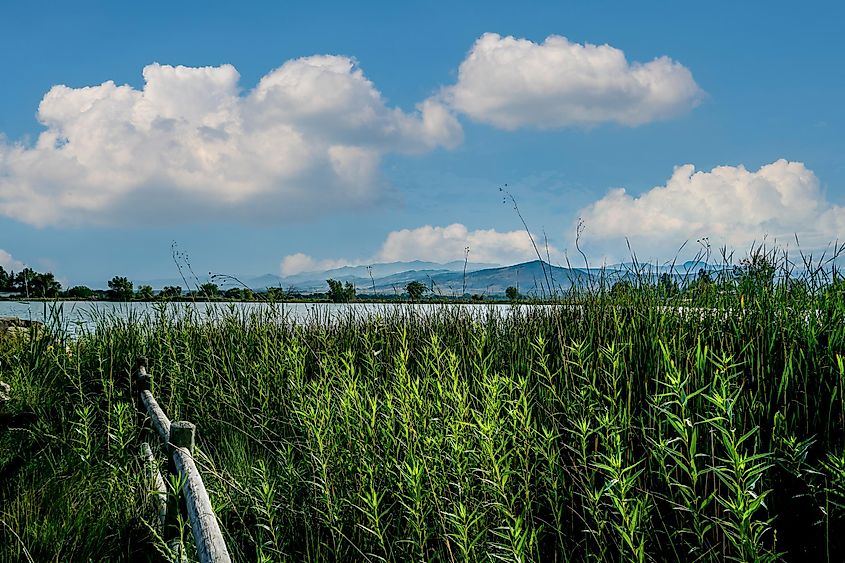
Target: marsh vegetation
619,430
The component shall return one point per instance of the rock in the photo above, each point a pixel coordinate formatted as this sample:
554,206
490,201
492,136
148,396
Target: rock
15,322
5,390
13,325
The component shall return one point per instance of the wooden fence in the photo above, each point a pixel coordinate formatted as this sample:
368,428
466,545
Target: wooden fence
178,439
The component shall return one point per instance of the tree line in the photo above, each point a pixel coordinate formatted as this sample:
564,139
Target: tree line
752,275
29,283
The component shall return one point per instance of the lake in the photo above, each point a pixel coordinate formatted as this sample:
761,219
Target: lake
79,315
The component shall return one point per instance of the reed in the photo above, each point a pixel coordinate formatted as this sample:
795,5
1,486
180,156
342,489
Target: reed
702,425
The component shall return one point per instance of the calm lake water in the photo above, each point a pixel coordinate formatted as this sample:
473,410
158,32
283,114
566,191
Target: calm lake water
79,315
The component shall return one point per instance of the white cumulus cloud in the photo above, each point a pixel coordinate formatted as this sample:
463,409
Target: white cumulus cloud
299,263
729,205
437,244
9,262
190,145
442,244
511,83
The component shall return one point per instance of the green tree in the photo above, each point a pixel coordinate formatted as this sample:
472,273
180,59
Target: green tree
45,285
234,293
170,292
34,284
276,294
23,281
209,290
416,290
7,280
340,293
120,289
512,293
80,292
145,293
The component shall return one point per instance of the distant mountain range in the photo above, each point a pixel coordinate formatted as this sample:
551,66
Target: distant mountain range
449,279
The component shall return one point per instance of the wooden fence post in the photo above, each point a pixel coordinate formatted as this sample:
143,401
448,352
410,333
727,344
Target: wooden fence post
142,378
183,435
140,381
208,538
189,498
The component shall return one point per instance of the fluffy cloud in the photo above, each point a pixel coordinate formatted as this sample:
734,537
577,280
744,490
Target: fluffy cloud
309,137
299,262
512,83
437,244
442,244
8,262
190,145
729,205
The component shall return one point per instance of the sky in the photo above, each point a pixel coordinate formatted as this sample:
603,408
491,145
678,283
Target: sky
281,137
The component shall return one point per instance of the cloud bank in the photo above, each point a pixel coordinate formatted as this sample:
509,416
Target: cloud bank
190,146
730,205
512,83
308,139
435,244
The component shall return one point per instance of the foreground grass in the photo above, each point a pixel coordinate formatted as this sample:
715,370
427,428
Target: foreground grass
617,431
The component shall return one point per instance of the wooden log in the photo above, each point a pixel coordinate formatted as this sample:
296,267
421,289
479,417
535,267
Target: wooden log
140,379
160,421
179,437
142,383
211,548
155,481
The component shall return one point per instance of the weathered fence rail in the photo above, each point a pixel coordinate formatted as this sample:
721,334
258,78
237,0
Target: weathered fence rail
179,439
159,489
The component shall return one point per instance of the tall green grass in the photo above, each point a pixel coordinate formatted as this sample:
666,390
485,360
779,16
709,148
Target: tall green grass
703,426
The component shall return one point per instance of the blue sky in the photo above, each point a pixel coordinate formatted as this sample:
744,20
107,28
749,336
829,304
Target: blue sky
384,131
